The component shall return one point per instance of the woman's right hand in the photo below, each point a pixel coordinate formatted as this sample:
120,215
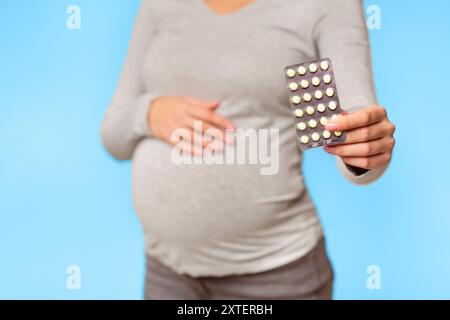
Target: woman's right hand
170,113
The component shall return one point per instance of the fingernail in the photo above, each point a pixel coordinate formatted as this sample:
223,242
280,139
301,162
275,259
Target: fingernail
331,127
328,149
229,126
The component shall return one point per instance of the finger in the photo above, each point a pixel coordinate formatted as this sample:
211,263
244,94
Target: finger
193,143
357,119
197,125
369,133
198,142
212,105
371,162
207,129
211,117
184,143
211,138
362,149
214,139
203,141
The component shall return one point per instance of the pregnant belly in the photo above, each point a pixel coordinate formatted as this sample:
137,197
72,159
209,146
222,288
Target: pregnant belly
195,203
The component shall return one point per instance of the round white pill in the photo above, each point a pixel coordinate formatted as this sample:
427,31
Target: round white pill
318,95
304,84
324,65
326,134
327,79
301,70
324,121
334,116
315,136
293,86
290,73
298,113
310,110
338,133
321,107
313,67
296,99
301,126
304,139
315,81
332,105
312,123
307,97
329,92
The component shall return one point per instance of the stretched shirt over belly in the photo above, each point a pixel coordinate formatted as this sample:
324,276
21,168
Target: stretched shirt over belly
213,219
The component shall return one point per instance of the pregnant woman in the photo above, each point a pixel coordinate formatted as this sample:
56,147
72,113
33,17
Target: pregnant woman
225,231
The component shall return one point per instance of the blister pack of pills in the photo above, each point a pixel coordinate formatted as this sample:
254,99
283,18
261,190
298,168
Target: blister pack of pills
314,101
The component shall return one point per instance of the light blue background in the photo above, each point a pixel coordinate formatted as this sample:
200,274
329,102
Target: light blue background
65,201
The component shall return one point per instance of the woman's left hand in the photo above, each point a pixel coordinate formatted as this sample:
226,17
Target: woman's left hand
370,138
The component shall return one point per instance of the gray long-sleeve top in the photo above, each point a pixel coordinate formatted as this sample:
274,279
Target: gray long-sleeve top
222,219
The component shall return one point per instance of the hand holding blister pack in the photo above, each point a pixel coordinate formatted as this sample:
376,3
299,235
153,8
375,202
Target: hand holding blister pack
314,101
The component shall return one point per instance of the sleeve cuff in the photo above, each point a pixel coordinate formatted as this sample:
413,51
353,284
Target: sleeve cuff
363,179
141,127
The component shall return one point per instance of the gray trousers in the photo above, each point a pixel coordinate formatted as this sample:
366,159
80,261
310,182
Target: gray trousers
310,277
